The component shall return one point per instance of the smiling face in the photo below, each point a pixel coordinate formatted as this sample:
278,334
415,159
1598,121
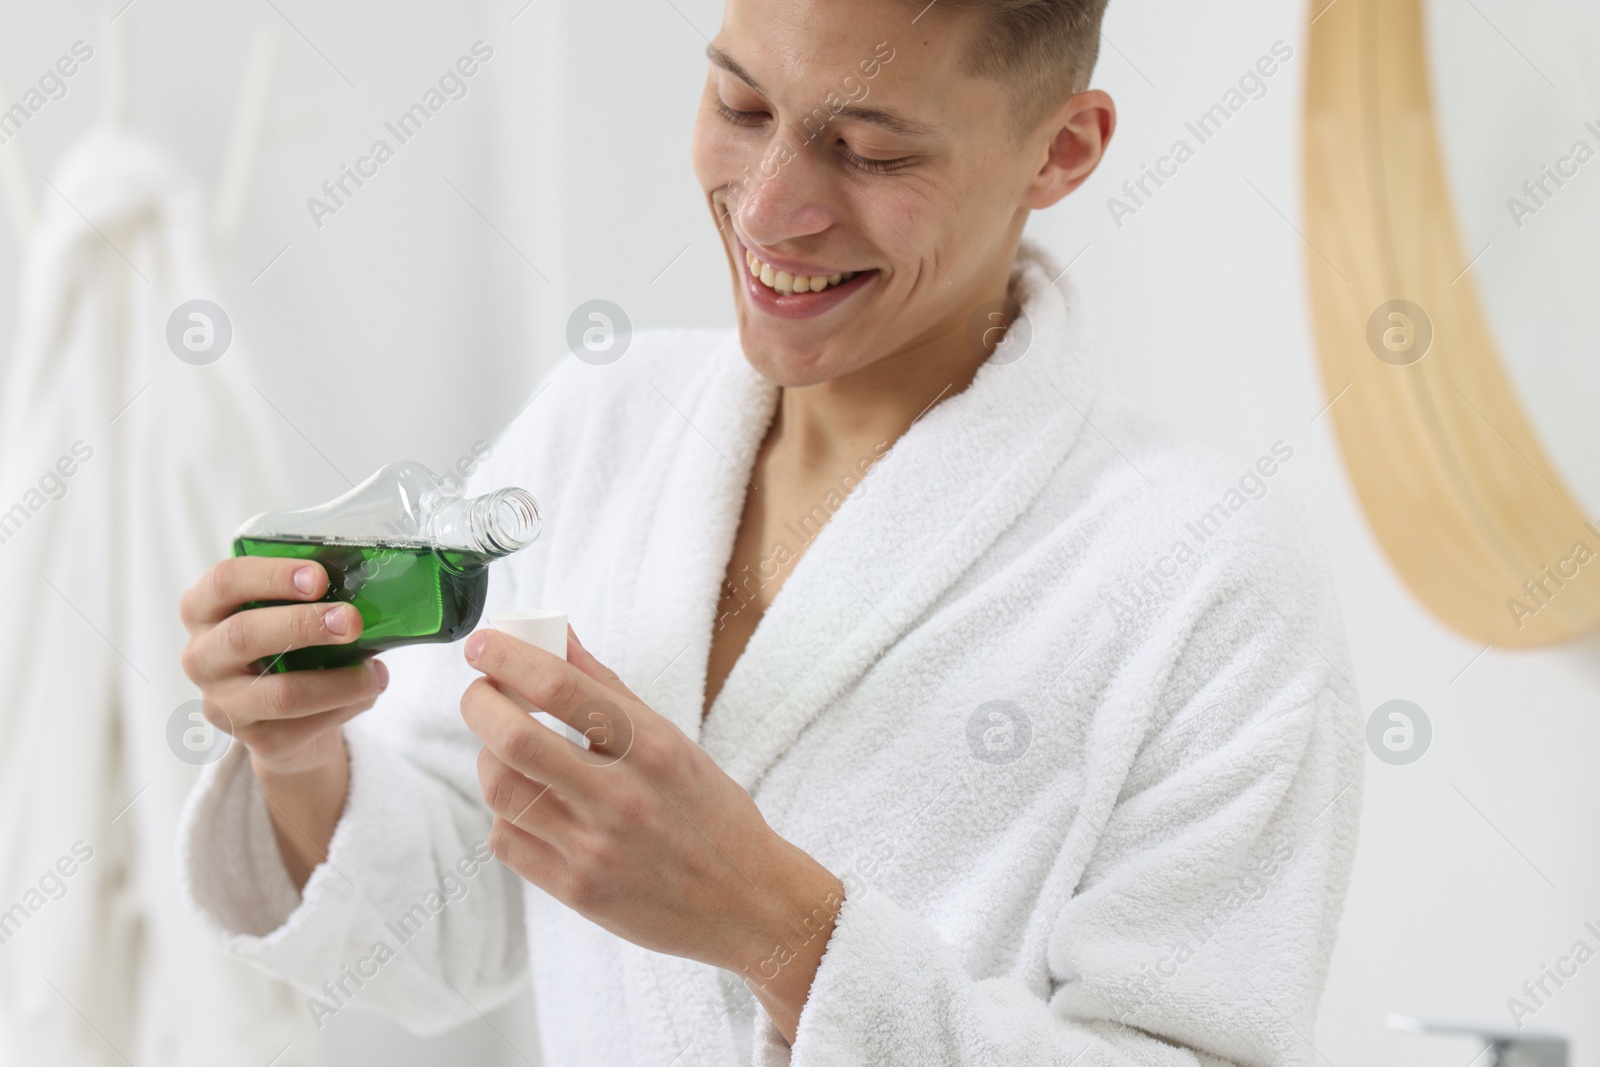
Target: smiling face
869,192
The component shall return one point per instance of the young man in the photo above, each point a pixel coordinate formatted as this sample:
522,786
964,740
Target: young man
939,709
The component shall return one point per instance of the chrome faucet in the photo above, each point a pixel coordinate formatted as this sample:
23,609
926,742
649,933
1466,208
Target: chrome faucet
1505,1049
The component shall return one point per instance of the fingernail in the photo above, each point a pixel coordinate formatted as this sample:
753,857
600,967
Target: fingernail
475,645
383,674
305,580
336,620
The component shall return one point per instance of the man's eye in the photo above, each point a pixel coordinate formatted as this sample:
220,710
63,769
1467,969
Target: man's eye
740,118
871,166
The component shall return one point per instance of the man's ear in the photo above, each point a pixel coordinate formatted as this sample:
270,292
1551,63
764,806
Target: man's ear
1076,135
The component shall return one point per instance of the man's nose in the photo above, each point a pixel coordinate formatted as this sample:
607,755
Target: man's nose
784,200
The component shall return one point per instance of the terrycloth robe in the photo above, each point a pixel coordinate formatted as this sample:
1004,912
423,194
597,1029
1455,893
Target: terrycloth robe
1064,701
147,456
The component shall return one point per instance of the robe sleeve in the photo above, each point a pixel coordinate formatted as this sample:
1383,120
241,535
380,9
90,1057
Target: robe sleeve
1200,929
410,915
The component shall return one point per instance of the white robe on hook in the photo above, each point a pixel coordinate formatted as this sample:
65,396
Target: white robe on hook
1093,798
122,469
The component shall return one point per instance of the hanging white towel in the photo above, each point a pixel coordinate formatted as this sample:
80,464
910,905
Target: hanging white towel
122,470
1093,796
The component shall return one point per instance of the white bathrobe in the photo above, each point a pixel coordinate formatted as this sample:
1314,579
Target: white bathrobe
1065,702
106,967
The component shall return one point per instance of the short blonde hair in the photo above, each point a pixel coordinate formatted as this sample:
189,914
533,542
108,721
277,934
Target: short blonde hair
1045,50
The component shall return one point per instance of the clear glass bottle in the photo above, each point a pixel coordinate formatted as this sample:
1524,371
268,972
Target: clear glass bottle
405,548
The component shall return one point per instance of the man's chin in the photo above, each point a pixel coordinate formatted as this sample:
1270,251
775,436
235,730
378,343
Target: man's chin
786,363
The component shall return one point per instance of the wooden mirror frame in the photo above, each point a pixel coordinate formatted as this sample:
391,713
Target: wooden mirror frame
1462,496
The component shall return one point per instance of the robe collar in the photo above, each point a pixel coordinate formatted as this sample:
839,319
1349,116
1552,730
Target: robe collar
941,496
930,508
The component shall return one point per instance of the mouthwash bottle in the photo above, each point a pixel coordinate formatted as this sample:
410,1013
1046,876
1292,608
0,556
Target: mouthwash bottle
405,548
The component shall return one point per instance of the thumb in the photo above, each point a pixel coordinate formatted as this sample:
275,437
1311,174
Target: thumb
580,658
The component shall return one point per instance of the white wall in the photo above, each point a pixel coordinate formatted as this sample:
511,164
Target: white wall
409,325
1203,307
401,327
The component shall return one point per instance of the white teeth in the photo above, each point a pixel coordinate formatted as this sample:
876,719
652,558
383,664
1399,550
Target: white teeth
784,283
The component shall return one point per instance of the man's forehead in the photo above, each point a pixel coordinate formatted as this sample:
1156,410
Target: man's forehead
898,121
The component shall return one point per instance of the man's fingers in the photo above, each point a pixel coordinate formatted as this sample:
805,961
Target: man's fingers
232,583
529,804
522,742
538,862
553,685
302,694
261,633
580,658
274,739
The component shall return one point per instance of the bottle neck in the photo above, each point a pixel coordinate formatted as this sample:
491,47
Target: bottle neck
495,524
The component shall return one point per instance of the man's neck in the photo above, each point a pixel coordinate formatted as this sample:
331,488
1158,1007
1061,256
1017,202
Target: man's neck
821,428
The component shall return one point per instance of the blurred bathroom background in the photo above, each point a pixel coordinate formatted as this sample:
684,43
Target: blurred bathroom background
415,320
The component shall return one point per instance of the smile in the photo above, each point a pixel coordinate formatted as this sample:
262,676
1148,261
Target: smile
785,283
790,293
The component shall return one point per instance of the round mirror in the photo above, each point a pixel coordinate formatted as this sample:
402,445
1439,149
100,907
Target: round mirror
1454,328
1517,95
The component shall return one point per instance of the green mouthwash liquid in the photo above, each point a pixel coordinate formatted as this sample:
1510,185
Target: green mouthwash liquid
407,594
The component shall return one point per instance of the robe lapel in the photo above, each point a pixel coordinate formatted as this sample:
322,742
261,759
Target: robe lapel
933,505
684,537
697,480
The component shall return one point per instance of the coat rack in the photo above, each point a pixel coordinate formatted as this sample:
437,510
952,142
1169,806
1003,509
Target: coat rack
245,142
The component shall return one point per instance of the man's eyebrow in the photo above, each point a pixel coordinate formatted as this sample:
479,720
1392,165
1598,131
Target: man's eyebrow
888,120
883,118
731,65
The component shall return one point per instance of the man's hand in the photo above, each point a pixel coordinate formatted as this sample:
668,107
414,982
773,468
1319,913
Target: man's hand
289,722
642,833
